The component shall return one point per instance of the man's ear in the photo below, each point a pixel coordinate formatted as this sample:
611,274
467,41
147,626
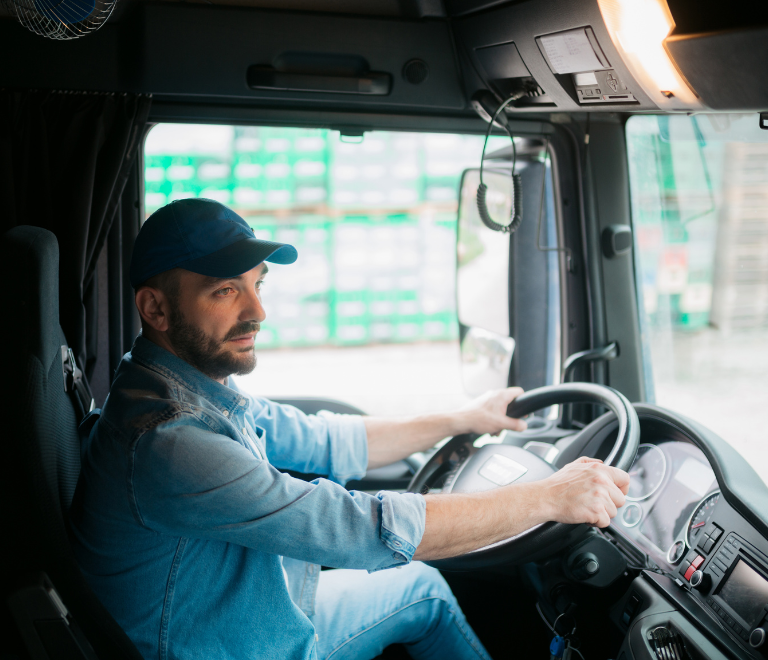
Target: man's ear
153,308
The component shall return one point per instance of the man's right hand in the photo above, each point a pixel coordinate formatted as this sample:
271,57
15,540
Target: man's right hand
585,491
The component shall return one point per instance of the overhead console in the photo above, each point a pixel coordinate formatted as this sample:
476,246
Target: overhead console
568,55
579,64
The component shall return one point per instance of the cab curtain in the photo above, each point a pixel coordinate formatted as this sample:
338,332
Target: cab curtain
65,158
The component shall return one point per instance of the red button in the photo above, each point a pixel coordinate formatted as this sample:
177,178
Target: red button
694,567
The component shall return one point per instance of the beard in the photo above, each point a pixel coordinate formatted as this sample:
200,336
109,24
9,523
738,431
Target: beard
206,353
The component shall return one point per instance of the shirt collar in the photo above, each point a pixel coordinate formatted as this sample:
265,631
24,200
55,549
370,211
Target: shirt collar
154,357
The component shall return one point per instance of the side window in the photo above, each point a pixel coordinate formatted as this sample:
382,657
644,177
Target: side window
367,314
700,214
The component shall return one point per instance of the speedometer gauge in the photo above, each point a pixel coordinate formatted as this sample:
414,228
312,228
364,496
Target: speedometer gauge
647,472
701,515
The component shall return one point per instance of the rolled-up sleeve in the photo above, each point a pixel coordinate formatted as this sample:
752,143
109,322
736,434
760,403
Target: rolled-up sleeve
326,443
188,481
403,516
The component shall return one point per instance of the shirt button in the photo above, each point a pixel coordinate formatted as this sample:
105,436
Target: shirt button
226,413
245,431
242,402
398,544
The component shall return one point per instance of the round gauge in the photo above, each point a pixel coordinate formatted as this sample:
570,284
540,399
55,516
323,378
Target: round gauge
631,514
700,517
647,472
676,552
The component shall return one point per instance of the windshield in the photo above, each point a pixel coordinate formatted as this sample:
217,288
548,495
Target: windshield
367,315
699,190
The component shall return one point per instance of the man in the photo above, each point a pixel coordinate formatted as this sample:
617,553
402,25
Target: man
201,548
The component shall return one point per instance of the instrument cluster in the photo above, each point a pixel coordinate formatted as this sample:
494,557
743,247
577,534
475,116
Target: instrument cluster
672,495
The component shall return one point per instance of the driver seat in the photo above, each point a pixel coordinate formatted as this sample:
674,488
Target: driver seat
42,465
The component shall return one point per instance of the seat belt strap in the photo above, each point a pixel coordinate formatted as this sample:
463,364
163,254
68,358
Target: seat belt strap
75,384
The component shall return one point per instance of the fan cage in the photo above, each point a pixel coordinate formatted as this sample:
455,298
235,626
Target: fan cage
60,19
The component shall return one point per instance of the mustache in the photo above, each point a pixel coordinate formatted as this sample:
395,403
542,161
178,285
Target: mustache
242,329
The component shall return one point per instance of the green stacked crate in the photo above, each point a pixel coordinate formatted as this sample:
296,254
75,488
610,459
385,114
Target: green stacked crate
382,275
381,172
297,299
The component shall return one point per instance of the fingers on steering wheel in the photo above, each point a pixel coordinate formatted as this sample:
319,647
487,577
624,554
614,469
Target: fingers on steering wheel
511,393
514,424
621,479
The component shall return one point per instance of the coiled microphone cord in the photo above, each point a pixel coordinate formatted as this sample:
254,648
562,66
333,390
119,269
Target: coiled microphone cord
516,214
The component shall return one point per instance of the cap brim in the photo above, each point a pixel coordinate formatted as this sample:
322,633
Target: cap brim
240,257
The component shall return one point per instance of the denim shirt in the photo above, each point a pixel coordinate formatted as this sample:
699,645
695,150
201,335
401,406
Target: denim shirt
186,530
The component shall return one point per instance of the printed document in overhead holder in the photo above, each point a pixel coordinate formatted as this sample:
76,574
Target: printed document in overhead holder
570,52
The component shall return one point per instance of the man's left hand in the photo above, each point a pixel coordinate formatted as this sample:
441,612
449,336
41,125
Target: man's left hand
488,413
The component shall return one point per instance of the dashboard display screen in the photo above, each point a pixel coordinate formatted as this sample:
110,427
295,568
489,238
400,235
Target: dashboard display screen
691,480
746,592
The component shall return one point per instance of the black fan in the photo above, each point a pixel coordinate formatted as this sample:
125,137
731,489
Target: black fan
61,19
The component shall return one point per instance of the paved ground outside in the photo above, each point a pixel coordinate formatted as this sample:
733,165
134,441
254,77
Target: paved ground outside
721,381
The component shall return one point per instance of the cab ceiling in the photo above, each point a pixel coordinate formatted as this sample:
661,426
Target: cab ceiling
194,56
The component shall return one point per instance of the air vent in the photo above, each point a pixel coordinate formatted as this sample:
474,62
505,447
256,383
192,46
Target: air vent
667,644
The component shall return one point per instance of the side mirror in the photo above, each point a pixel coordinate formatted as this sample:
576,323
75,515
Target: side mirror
482,284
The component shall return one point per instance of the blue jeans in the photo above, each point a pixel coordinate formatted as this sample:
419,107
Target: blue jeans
358,614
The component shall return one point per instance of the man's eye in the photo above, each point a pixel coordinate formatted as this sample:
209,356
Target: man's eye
259,284
225,291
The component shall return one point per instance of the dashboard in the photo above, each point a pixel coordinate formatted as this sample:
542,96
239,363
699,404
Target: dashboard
707,561
672,496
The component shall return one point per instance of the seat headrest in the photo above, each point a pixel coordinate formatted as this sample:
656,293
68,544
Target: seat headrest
30,267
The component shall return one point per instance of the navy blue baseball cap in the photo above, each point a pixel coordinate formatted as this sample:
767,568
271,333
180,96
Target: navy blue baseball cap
203,236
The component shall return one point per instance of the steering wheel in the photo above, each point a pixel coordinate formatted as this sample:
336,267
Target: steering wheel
466,469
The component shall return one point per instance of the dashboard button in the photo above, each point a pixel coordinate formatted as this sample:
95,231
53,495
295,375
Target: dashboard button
698,561
721,565
708,545
738,628
691,556
716,533
729,621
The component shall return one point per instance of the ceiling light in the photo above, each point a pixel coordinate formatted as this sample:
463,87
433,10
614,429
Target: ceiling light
638,29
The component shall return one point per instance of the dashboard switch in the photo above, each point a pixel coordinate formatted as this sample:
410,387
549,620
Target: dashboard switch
701,581
757,638
698,561
585,565
708,545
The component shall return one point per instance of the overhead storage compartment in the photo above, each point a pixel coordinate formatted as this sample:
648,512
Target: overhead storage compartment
728,70
197,52
559,53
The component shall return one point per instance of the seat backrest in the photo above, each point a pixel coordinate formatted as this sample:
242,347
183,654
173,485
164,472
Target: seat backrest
42,445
